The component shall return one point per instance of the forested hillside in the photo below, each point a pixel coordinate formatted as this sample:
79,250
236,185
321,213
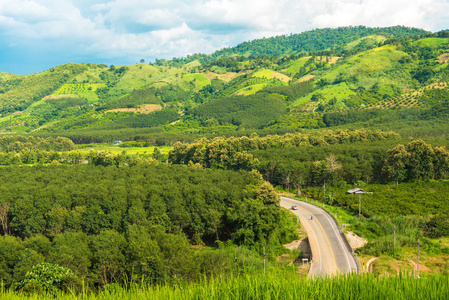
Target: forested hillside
343,38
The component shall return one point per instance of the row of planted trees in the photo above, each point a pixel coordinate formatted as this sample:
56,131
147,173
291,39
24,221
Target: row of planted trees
326,156
235,152
101,158
417,161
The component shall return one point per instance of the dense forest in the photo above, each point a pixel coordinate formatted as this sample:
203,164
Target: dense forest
108,223
309,41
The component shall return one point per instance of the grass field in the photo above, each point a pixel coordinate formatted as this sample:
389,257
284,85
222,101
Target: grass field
200,80
369,66
285,285
297,65
432,42
252,89
116,149
270,74
367,40
338,91
84,90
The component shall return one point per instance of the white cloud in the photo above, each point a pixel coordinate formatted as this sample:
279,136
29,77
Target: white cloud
414,13
132,29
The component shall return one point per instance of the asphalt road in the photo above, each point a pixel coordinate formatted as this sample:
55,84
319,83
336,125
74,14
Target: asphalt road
331,255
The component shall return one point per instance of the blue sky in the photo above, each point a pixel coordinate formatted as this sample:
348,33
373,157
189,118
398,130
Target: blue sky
38,34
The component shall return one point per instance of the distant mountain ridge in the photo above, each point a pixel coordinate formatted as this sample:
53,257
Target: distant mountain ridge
308,41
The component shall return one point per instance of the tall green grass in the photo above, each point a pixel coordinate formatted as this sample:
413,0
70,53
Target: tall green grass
288,286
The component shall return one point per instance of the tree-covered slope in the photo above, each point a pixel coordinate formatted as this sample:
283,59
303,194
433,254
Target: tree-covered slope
342,38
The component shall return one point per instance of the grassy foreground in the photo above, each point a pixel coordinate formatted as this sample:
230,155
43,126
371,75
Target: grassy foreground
275,287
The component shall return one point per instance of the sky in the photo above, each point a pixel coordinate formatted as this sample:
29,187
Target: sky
38,34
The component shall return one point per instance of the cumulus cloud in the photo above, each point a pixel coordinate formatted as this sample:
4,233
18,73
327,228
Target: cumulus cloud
127,30
414,13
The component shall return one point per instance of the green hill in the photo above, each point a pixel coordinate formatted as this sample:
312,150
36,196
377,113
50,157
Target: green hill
392,71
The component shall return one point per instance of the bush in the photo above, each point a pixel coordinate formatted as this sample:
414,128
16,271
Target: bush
46,277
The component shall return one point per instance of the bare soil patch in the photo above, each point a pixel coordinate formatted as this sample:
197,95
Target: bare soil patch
443,58
144,109
225,77
355,241
306,78
280,76
52,97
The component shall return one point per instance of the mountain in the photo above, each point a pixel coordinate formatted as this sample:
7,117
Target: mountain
335,39
349,77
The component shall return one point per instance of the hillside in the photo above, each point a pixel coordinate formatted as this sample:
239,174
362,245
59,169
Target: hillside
387,76
343,38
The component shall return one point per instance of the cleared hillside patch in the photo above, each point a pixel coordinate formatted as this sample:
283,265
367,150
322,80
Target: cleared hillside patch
339,91
433,42
226,77
364,42
367,68
143,109
83,90
198,79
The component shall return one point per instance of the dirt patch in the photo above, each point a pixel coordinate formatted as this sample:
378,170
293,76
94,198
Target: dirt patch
302,245
330,60
306,78
443,58
421,266
225,77
281,77
355,241
60,96
144,109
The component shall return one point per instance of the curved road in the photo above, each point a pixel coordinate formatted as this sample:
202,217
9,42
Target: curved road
331,254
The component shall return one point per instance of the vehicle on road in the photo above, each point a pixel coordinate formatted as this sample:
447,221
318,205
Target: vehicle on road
294,207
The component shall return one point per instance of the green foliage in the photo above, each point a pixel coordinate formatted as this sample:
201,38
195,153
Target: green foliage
309,41
405,199
18,143
109,224
21,92
293,91
233,153
282,284
152,119
247,112
45,276
437,226
66,102
133,100
417,161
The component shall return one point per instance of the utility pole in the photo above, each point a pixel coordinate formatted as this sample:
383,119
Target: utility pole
360,205
394,238
264,269
417,265
324,186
